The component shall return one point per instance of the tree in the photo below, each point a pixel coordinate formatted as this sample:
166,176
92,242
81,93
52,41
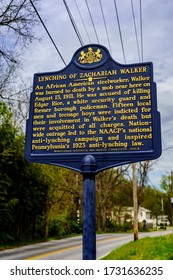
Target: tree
143,168
166,188
108,187
53,178
17,19
22,195
15,93
152,200
9,140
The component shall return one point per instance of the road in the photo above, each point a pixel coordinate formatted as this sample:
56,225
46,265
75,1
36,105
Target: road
71,248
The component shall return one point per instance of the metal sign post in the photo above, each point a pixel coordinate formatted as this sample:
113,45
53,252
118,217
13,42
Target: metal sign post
89,208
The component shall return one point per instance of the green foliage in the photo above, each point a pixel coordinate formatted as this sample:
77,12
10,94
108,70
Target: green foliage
63,226
5,238
153,195
165,183
127,226
112,226
3,111
19,182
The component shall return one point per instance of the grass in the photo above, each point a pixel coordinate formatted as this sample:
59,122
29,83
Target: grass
148,248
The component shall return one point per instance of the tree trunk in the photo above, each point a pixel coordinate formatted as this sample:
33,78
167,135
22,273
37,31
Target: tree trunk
33,225
46,222
99,220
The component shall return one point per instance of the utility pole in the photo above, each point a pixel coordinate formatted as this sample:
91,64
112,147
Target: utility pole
135,202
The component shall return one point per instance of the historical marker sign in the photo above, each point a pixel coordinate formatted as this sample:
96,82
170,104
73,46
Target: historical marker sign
94,106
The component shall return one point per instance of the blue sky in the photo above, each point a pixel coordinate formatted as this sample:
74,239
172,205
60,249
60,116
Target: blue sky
157,27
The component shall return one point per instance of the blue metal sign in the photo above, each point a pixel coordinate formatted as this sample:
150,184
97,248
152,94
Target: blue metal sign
94,107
